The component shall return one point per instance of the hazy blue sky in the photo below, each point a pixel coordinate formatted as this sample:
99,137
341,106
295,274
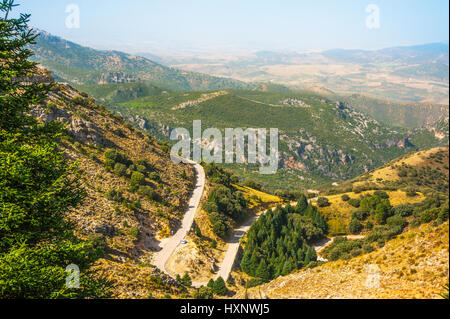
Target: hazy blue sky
154,25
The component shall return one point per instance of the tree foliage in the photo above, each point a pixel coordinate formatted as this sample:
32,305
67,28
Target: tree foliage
277,241
225,203
36,184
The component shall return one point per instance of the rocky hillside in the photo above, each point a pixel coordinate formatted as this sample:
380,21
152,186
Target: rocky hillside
414,265
135,194
423,170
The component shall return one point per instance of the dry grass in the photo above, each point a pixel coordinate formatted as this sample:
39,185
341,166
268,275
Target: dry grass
256,198
414,265
390,173
339,212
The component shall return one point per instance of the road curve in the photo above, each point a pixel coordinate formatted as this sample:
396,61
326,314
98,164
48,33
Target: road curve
169,245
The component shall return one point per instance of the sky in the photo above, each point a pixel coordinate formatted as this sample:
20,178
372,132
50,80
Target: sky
220,25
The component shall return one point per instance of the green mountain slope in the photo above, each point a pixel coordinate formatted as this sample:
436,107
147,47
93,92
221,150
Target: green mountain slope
393,113
76,64
321,140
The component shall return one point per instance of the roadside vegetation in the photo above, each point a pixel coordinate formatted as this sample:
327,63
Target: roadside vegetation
277,243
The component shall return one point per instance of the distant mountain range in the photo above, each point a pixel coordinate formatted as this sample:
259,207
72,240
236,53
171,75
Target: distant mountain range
77,64
417,54
324,137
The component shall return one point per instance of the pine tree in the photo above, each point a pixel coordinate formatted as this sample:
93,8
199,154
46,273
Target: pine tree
220,288
253,264
302,204
210,283
287,268
263,271
186,280
37,186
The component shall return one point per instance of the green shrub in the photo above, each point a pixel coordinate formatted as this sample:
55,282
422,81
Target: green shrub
429,215
252,184
369,225
109,164
323,202
345,198
381,213
381,194
120,169
115,156
137,179
404,210
355,226
219,224
114,195
397,221
204,293
148,192
360,214
141,169
220,287
134,231
443,214
99,243
354,202
186,280
154,177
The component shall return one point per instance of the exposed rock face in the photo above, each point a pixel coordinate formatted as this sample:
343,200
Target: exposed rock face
81,130
42,76
400,143
141,122
86,132
294,102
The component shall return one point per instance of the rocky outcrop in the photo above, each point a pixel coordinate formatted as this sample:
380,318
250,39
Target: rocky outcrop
400,143
140,122
81,130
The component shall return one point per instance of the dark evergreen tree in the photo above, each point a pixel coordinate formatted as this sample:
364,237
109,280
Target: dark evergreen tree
263,271
37,186
302,204
220,287
276,243
186,280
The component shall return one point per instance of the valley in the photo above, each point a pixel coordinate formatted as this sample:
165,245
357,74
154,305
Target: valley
96,203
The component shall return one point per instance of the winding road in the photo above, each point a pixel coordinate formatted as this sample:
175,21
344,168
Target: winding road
169,245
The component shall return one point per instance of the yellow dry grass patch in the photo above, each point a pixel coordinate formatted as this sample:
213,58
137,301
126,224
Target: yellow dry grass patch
388,173
413,265
250,194
339,212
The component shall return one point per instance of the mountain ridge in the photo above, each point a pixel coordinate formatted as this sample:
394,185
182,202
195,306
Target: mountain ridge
84,65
